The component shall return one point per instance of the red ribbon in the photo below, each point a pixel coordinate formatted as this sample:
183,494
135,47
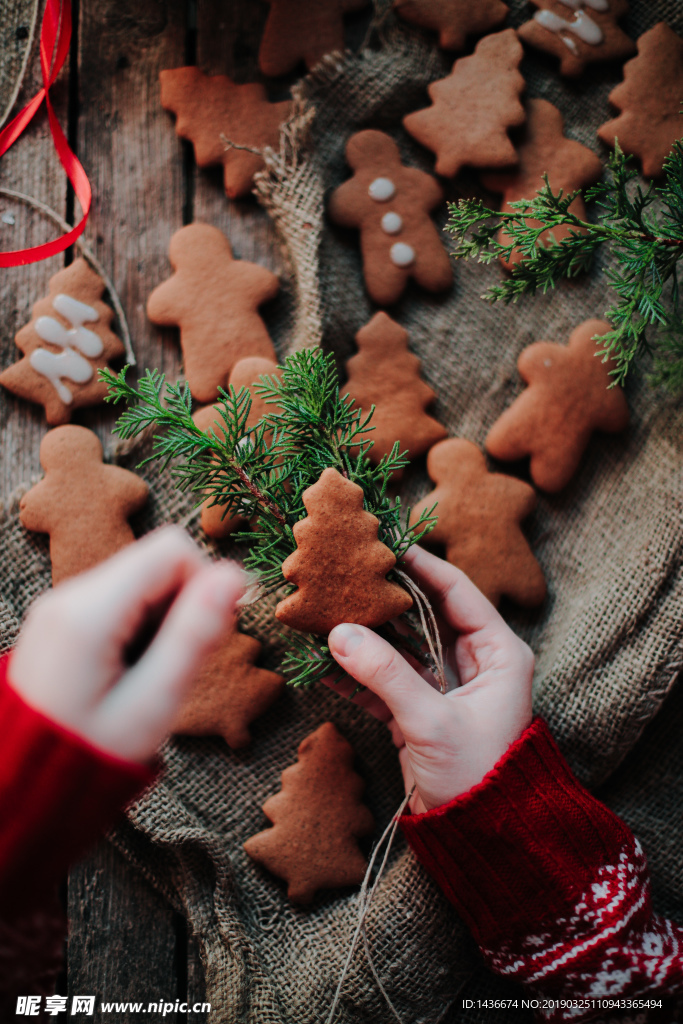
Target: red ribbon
55,38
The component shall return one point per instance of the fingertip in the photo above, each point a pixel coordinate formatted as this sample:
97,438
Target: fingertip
345,639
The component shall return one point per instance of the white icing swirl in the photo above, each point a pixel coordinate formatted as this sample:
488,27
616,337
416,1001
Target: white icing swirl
582,26
55,365
381,190
392,223
76,341
402,255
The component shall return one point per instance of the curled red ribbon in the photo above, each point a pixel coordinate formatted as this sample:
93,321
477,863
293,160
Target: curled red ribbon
55,38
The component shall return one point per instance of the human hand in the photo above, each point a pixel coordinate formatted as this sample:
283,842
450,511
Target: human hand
446,743
70,660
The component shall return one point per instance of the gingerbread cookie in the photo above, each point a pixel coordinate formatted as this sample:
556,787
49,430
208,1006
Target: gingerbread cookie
389,204
213,111
578,32
569,396
385,374
544,149
317,820
649,99
213,298
479,522
81,503
474,107
340,565
245,374
229,693
454,20
66,342
303,30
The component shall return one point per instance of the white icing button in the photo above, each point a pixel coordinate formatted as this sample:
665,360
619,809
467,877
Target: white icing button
402,255
382,189
392,223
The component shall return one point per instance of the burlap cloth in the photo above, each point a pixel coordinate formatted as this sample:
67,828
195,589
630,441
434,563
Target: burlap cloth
608,639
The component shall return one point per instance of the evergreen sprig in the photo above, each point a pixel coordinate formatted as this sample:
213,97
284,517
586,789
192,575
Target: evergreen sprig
644,231
261,472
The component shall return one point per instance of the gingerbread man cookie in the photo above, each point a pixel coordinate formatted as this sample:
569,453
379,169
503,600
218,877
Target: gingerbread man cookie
66,342
213,111
578,32
229,693
385,374
317,820
81,503
245,374
545,149
569,396
454,20
389,204
340,565
649,99
303,30
474,107
479,522
214,299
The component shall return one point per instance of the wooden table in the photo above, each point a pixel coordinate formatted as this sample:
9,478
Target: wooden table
125,941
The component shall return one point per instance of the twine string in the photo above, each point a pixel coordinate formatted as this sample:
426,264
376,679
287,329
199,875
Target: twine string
24,65
429,625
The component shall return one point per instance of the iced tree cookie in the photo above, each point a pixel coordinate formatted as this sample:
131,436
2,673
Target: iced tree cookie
578,32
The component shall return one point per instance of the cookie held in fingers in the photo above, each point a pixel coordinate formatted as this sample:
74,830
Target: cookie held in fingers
212,112
340,565
479,522
454,20
389,204
544,149
650,101
303,30
67,340
214,299
229,693
578,32
473,108
386,374
568,397
82,503
317,819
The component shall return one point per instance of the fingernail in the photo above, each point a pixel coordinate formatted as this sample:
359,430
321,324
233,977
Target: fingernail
222,590
346,638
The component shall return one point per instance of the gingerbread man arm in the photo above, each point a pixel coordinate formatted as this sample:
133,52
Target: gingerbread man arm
260,282
167,304
36,507
127,491
430,192
343,206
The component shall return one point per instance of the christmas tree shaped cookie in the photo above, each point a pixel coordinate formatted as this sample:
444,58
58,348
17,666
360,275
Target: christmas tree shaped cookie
214,299
83,504
385,374
340,565
66,342
317,820
245,374
649,99
303,30
454,20
389,204
578,32
472,109
569,396
544,149
213,109
479,522
229,693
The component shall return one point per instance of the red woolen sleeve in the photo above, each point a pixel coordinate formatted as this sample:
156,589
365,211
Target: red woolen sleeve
58,794
552,884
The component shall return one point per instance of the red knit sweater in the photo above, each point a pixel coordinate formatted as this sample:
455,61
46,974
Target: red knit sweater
553,886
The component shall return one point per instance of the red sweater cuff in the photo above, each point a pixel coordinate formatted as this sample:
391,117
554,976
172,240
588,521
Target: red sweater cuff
528,836
58,793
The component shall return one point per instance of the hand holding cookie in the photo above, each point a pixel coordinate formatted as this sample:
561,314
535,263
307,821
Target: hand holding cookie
446,743
72,658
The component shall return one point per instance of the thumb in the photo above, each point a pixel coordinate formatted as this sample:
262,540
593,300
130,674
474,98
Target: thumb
374,663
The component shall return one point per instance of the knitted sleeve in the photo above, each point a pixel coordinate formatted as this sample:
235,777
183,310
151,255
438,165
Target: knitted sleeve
554,887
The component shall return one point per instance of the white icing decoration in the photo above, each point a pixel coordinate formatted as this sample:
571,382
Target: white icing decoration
381,190
596,5
392,223
76,341
582,26
402,255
